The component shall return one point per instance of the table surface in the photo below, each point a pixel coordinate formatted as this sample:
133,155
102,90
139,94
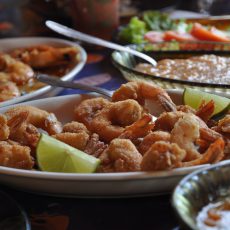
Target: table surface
54,213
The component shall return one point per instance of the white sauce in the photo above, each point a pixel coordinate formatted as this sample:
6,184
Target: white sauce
222,224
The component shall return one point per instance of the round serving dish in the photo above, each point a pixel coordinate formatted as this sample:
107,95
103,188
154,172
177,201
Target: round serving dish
94,185
8,44
126,64
198,189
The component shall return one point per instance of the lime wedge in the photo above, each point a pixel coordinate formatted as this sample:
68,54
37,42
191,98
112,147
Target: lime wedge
56,156
194,99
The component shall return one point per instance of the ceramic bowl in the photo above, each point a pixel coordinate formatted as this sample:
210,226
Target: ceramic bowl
197,190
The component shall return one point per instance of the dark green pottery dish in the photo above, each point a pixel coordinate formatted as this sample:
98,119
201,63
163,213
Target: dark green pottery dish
198,189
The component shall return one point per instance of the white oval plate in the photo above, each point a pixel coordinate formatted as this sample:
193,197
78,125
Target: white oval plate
13,43
89,185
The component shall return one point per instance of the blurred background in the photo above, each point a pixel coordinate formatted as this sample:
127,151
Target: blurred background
27,17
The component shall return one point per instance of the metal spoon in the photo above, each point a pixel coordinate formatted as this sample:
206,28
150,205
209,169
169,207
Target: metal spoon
54,81
66,31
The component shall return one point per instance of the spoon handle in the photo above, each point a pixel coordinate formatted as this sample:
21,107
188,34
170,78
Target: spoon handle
54,81
66,31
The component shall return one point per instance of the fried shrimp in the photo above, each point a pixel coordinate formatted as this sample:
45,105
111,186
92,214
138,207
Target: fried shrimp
209,135
75,127
45,56
167,120
87,109
224,124
36,117
14,70
15,155
141,91
222,129
185,133
109,123
4,128
120,156
78,136
139,128
23,132
8,90
94,146
126,112
151,139
162,156
214,154
76,140
206,110
75,134
186,109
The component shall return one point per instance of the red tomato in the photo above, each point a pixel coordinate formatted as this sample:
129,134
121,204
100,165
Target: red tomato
154,36
213,34
177,36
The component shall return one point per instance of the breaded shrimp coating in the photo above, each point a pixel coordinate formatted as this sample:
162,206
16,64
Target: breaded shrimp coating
140,91
162,156
74,127
76,140
87,109
15,155
36,117
120,156
185,133
94,146
111,121
151,139
4,129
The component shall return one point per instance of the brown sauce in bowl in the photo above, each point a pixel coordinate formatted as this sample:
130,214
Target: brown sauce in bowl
204,69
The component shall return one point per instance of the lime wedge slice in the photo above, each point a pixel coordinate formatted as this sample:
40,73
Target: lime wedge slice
194,99
56,156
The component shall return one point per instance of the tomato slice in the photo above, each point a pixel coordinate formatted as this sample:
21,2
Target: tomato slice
177,36
154,36
213,34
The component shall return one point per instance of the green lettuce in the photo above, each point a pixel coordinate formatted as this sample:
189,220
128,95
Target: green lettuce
134,32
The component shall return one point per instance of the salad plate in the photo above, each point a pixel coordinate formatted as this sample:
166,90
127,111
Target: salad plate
103,185
10,44
153,27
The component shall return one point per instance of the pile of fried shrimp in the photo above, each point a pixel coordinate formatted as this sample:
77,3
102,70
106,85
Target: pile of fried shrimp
121,132
17,68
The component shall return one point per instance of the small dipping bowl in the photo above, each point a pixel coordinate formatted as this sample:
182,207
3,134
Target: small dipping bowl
197,190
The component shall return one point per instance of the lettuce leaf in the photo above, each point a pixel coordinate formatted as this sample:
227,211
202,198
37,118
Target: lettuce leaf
134,32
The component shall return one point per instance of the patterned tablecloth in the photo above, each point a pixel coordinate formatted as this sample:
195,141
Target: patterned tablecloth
98,71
